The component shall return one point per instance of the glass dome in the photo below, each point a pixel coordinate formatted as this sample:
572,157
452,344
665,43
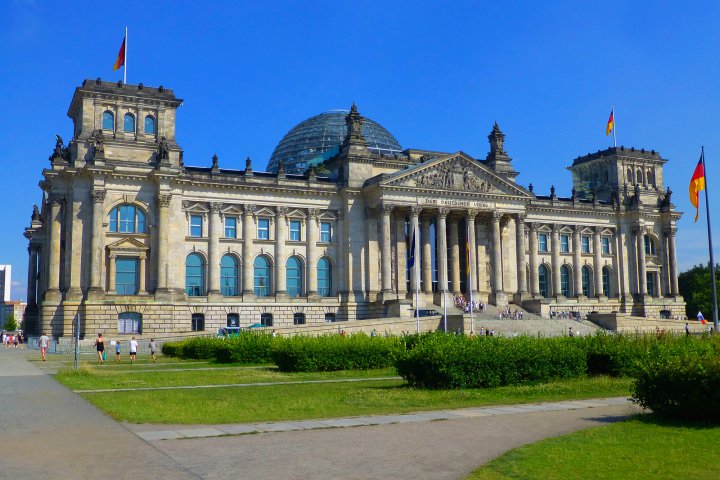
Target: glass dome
318,138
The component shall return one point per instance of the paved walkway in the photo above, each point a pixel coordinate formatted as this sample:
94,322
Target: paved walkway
49,431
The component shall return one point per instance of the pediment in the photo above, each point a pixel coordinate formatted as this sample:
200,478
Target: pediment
195,207
264,212
455,172
326,215
232,210
127,244
296,213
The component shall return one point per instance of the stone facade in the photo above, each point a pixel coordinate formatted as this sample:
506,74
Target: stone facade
135,241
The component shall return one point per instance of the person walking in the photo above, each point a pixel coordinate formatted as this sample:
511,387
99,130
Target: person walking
44,343
117,351
153,349
100,347
133,349
687,329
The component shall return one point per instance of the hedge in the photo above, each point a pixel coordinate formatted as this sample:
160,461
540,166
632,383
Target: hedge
248,347
334,352
684,387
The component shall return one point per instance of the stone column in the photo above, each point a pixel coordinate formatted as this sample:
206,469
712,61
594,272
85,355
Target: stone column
639,233
214,227
312,228
472,254
597,263
672,260
248,282
280,237
401,260
555,256
96,253
53,291
111,274
338,276
520,252
577,265
441,238
142,288
386,255
534,273
454,256
163,231
426,255
497,253
414,277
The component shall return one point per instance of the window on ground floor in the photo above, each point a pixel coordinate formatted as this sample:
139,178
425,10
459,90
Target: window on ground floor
266,319
299,319
197,322
129,322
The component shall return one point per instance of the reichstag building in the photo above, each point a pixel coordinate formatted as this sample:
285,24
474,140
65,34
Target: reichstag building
135,240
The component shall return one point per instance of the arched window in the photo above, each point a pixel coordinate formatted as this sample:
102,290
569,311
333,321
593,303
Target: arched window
639,177
629,175
129,123
108,120
324,276
586,280
195,275
293,275
150,125
606,281
543,280
262,276
127,219
229,276
650,178
565,280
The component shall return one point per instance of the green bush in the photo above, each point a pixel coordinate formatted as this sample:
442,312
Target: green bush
172,349
450,361
334,352
248,347
684,387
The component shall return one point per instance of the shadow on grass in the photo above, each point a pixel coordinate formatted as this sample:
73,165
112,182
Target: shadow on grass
665,421
610,418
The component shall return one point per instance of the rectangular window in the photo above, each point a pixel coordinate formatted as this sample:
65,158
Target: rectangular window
299,319
330,317
605,246
585,244
295,230
196,225
325,232
543,242
233,320
126,276
230,227
263,231
197,322
266,319
564,243
129,322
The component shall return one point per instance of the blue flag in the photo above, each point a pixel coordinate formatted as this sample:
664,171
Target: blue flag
411,260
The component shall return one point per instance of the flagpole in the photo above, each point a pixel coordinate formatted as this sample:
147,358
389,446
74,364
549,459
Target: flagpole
712,261
614,137
126,55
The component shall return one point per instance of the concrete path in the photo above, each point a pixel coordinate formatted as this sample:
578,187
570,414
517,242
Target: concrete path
46,430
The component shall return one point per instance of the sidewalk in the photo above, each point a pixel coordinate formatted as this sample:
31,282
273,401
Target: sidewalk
49,432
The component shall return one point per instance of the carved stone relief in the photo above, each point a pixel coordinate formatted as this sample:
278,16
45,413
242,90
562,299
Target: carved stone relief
454,175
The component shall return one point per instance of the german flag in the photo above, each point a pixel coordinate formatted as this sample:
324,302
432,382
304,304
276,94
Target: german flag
697,183
611,123
121,56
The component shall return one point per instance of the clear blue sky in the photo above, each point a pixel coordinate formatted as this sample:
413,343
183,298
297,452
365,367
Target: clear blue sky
436,76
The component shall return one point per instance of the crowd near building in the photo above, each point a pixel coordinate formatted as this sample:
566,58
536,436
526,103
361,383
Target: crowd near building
136,241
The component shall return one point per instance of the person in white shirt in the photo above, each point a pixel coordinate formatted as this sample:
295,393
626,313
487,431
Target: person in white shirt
133,349
44,342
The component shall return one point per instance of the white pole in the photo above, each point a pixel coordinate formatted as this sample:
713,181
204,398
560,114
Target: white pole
468,271
126,55
614,136
416,254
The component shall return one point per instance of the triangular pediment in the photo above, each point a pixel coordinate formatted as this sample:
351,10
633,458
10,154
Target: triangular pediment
127,244
454,172
195,207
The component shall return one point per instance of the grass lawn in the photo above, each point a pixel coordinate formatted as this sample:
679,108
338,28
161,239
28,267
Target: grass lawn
296,401
643,447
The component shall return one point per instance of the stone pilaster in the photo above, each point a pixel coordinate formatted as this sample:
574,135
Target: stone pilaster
386,256
248,282
555,256
534,260
426,256
641,263
214,227
577,263
96,251
32,277
111,274
500,296
163,266
522,291
597,263
401,261
672,260
312,229
142,288
281,224
53,295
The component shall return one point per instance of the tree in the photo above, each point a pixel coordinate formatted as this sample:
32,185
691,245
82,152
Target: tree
696,287
10,323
